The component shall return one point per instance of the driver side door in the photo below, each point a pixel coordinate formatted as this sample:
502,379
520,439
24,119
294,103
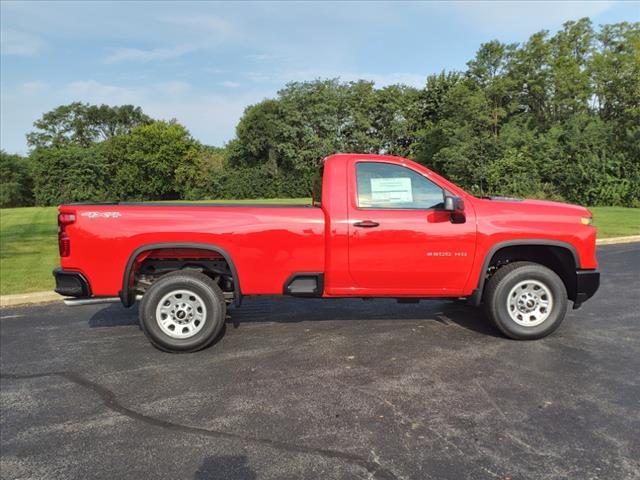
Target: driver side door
401,241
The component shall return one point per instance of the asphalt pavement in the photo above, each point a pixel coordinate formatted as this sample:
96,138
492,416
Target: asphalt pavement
302,389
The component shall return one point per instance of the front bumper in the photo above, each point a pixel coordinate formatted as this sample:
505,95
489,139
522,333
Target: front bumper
71,284
587,283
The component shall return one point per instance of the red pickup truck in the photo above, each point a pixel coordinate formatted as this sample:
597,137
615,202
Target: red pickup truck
378,226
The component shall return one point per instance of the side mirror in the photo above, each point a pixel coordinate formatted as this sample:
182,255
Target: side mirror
449,204
455,206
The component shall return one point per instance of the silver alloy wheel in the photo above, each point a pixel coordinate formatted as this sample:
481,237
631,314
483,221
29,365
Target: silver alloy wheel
529,303
181,314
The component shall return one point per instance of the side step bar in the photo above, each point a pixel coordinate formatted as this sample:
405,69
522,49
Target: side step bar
75,302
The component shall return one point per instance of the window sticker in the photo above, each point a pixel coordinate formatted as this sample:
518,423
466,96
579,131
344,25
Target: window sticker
391,190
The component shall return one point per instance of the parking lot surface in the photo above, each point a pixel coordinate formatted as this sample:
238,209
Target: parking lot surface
327,389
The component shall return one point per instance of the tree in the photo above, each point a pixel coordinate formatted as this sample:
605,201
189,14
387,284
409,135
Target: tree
201,179
83,124
16,181
310,120
592,173
430,136
529,117
395,119
146,163
615,73
571,51
530,70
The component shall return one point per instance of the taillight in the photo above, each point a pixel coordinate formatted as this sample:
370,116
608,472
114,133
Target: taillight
66,218
64,242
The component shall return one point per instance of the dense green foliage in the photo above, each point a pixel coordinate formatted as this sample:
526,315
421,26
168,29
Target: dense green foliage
16,180
70,174
555,117
152,162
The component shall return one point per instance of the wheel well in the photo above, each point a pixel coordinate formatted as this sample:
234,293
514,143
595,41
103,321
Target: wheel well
149,263
559,259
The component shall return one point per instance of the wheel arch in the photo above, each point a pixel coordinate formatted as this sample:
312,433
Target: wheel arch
126,294
569,261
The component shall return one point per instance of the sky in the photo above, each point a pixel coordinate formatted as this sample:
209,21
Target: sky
203,63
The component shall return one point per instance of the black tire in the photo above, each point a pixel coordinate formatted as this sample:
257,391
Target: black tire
499,288
214,306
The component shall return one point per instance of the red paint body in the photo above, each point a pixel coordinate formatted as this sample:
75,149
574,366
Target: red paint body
411,253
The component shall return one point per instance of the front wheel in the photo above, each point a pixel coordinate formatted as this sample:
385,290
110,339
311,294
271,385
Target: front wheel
526,300
182,312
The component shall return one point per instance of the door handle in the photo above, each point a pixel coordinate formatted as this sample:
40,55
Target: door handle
366,224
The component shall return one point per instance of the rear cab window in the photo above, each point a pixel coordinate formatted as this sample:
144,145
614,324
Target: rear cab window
316,186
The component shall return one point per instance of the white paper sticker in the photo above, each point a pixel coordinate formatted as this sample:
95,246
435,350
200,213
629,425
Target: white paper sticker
391,190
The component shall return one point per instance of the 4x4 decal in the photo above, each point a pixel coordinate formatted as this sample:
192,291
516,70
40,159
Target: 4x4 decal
102,214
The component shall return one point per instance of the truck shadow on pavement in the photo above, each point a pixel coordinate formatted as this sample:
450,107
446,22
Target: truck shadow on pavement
115,315
296,310
222,467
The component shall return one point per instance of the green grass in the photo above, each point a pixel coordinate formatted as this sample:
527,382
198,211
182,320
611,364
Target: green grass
28,249
29,245
616,221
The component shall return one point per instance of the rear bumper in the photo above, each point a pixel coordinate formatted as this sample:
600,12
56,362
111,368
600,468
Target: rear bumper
71,284
587,283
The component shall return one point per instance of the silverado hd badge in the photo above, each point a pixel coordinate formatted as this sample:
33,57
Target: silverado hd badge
102,214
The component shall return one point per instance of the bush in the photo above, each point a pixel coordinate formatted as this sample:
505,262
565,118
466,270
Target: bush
148,163
16,181
257,182
514,174
70,174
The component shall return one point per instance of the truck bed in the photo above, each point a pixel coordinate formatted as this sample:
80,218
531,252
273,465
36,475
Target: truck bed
188,204
266,242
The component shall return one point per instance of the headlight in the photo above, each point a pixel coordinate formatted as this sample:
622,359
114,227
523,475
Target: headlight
586,220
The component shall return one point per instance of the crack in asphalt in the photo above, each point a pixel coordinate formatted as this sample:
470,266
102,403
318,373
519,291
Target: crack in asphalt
110,400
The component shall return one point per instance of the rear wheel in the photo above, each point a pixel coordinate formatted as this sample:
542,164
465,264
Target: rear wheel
182,311
526,300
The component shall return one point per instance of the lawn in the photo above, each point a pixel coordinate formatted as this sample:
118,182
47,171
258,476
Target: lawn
616,221
29,247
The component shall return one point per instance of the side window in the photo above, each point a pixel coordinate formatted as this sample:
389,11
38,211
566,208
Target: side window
316,186
384,185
